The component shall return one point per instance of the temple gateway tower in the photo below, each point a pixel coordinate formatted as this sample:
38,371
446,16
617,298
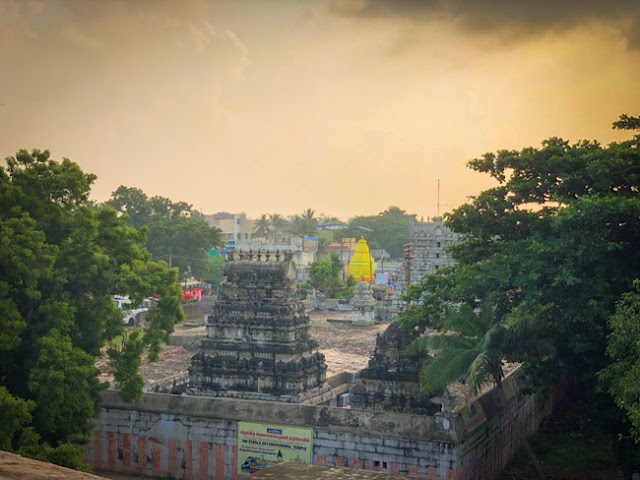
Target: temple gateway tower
258,344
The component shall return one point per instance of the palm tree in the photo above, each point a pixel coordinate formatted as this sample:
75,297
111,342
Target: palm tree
309,214
277,222
470,345
305,224
262,226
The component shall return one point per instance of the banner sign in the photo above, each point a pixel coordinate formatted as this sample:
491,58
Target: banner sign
261,446
310,244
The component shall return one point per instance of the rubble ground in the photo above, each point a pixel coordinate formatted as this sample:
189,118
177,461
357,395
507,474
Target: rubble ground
346,348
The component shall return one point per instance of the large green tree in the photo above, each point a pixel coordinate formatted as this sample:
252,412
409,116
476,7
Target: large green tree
175,232
388,230
325,277
555,244
61,261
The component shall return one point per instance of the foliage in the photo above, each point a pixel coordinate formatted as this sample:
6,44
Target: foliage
554,244
627,122
325,238
61,261
389,230
175,232
305,224
262,226
470,345
324,276
16,414
623,375
278,225
215,271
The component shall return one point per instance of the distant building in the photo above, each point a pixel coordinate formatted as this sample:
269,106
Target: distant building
234,226
345,250
425,253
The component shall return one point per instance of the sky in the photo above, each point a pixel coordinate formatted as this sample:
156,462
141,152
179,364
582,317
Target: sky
344,106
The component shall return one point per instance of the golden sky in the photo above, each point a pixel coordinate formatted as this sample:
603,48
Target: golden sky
343,106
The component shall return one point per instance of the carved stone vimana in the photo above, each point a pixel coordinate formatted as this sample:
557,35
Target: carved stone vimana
258,344
391,382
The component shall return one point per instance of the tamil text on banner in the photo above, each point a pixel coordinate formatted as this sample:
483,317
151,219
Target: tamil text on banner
262,446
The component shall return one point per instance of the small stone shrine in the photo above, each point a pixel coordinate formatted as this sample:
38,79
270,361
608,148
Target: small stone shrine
391,380
363,305
258,344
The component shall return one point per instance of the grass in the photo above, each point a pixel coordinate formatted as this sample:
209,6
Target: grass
569,447
573,452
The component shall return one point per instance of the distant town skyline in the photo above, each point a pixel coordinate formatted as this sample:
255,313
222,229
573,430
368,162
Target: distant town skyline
344,106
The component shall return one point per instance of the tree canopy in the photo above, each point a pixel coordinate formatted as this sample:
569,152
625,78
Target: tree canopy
61,261
554,244
324,276
305,224
388,230
175,232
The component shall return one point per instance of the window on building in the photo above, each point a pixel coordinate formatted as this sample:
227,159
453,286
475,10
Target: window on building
438,244
437,267
437,255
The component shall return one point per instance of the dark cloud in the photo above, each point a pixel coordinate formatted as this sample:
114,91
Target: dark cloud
513,17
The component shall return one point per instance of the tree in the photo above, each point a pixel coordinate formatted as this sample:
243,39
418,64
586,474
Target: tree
470,345
305,224
61,261
134,202
623,375
262,227
215,272
175,233
278,224
388,230
554,244
627,122
324,276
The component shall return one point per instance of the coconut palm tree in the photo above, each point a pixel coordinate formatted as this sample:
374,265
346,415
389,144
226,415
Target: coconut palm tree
472,344
278,222
469,345
262,226
305,224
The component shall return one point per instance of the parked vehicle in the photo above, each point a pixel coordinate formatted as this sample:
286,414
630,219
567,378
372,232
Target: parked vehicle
131,317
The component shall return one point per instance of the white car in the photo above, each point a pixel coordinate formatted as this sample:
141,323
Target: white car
131,317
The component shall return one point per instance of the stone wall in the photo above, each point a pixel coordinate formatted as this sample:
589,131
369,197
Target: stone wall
195,437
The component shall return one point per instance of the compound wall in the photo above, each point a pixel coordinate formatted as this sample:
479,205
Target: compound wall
196,437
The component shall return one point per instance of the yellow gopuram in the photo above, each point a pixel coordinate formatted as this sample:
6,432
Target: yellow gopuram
362,267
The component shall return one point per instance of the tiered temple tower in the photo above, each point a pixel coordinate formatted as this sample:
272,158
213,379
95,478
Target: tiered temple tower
258,344
391,382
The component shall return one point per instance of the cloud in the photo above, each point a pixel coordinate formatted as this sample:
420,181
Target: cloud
513,18
14,25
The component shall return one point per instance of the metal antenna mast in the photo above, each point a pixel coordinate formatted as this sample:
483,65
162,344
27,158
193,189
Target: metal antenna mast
438,210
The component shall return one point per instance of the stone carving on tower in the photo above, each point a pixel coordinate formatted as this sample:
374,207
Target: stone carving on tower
363,304
258,344
391,381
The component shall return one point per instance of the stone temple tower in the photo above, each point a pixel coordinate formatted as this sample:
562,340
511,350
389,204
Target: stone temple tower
258,344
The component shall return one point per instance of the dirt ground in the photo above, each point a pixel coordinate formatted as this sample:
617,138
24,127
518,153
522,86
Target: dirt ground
15,467
346,348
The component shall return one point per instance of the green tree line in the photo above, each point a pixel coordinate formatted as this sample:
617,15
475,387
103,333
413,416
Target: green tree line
62,259
545,276
175,232
389,230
